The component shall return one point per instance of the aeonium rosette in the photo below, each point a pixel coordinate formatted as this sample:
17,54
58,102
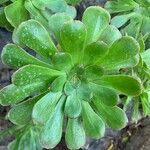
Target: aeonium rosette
74,86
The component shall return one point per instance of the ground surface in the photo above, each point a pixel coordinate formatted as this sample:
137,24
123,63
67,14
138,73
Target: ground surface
133,137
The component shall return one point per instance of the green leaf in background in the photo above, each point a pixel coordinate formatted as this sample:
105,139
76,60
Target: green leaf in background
34,35
73,106
21,114
110,35
113,116
51,132
122,53
12,15
12,94
75,134
56,22
104,94
146,57
73,34
125,84
14,56
94,52
96,19
73,2
93,124
32,73
44,108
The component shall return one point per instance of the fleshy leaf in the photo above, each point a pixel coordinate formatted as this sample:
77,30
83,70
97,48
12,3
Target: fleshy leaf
93,124
14,56
93,72
94,52
110,35
75,135
32,73
122,83
122,54
105,95
113,116
44,108
12,94
21,114
96,20
34,35
56,22
58,84
73,34
146,57
62,61
12,15
73,106
52,130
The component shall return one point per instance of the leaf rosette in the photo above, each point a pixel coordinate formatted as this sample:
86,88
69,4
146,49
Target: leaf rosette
73,85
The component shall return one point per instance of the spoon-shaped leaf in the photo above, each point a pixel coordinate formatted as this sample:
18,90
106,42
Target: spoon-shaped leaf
113,116
52,131
73,34
44,108
32,73
121,54
125,84
96,20
93,124
12,94
34,35
12,15
75,134
21,114
56,22
94,52
14,56
105,95
73,105
110,35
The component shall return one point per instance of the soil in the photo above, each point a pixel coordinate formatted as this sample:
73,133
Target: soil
133,137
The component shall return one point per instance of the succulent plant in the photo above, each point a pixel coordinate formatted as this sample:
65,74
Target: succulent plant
73,85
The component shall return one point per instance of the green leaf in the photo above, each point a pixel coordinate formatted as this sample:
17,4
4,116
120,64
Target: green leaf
84,92
71,11
21,114
31,73
34,35
73,106
12,15
14,56
93,72
58,84
62,61
120,6
72,2
52,131
93,124
73,34
125,84
94,52
68,88
44,108
104,94
96,20
56,22
54,5
113,116
110,35
146,57
122,54
12,94
75,135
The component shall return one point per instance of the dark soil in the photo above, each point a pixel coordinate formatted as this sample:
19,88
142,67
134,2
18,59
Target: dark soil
133,137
